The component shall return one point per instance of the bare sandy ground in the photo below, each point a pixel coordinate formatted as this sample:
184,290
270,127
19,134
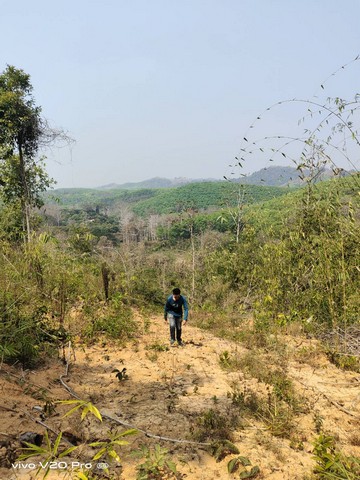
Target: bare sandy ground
165,393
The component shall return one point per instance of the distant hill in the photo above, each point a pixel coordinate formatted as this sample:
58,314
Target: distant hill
156,182
161,195
276,176
273,176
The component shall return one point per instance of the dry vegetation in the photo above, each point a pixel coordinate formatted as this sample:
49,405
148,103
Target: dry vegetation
271,401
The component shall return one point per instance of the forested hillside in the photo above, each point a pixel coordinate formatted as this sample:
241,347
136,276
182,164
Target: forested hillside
150,214
147,201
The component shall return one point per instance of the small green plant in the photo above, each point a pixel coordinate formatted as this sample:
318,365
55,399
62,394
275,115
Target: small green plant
225,360
244,399
107,449
213,425
156,466
283,389
297,443
332,464
38,393
318,422
48,454
229,361
241,463
277,417
158,347
121,375
87,407
48,408
222,448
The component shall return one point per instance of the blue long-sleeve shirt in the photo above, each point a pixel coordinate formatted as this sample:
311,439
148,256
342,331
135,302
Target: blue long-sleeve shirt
178,308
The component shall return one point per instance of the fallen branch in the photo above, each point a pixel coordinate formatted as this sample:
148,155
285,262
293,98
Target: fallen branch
348,412
339,407
47,427
8,409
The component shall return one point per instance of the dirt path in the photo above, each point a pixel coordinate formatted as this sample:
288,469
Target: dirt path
167,391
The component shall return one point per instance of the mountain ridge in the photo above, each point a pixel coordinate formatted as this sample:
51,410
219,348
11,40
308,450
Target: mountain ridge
273,176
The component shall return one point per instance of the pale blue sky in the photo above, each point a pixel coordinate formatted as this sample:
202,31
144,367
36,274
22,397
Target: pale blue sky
169,87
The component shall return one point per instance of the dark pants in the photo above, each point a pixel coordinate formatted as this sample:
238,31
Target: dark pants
175,327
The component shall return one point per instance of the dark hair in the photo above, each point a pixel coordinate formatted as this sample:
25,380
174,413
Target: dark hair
176,291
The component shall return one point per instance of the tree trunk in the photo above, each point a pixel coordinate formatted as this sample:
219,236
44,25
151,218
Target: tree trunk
105,272
25,205
193,253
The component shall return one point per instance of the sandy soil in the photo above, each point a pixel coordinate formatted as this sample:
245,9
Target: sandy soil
166,392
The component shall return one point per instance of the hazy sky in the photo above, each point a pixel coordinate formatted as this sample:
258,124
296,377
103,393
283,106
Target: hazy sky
169,87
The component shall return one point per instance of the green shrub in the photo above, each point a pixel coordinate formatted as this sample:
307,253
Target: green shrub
331,463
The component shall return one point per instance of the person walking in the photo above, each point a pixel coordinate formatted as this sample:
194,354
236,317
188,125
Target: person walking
176,310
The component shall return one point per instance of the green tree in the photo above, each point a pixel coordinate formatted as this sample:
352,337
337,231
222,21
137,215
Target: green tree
22,132
23,191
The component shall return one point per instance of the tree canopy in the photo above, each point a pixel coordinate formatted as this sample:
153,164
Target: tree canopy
23,131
